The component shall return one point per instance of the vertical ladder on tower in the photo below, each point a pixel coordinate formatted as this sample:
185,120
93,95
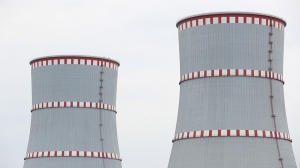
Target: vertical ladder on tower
100,104
271,90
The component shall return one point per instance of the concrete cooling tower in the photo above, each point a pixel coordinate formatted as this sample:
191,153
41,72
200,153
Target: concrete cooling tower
73,115
231,108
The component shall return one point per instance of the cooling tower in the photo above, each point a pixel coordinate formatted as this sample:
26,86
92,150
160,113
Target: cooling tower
73,115
231,108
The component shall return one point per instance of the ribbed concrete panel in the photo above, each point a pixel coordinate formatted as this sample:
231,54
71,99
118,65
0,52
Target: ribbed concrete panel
73,121
226,152
287,153
71,162
72,129
73,83
229,103
216,106
229,46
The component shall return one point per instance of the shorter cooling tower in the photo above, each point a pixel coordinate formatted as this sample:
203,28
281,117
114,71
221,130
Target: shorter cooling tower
231,109
73,115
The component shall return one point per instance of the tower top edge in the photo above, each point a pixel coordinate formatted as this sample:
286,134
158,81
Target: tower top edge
73,56
230,13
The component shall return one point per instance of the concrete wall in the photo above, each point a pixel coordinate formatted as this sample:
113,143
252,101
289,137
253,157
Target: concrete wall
72,129
224,103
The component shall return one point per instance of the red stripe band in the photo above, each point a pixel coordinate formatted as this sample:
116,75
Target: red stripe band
74,61
73,104
72,154
231,72
230,19
232,133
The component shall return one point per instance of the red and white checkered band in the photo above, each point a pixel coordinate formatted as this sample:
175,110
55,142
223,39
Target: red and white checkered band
232,133
74,61
230,19
73,104
231,72
72,154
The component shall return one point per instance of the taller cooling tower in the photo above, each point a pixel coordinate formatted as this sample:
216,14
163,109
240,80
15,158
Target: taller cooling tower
231,109
73,115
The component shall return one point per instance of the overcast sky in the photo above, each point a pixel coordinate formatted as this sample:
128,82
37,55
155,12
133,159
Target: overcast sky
142,36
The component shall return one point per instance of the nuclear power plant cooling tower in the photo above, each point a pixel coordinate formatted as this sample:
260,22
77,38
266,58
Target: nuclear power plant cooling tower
231,108
73,115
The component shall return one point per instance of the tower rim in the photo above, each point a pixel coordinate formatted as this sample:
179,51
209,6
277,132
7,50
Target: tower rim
73,56
230,13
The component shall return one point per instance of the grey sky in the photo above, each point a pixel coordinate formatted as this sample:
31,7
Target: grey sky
142,36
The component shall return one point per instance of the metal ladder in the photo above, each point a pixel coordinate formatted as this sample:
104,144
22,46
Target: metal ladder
100,102
271,90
